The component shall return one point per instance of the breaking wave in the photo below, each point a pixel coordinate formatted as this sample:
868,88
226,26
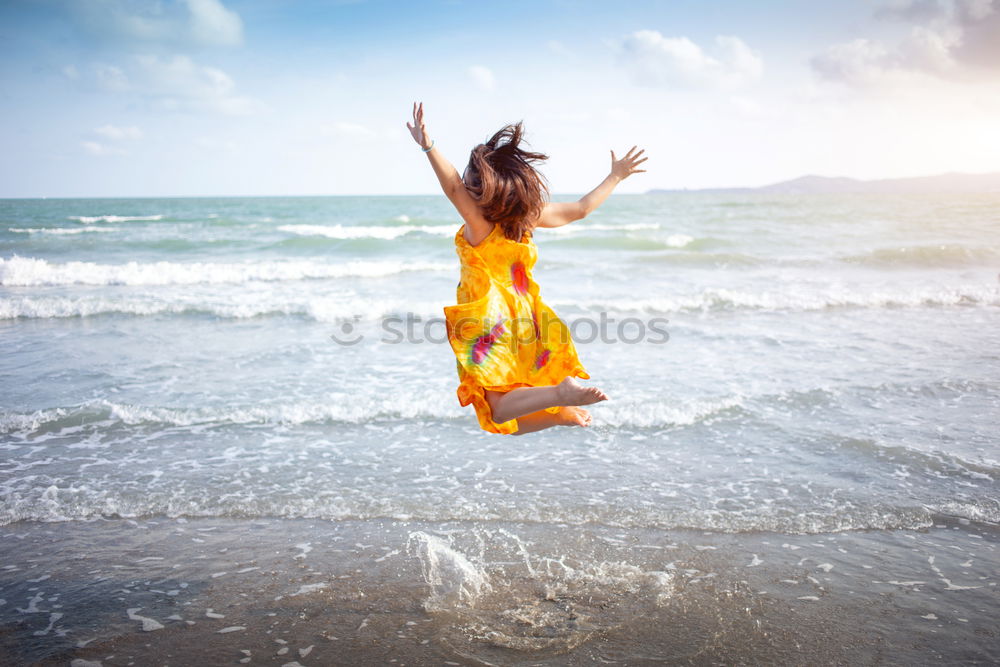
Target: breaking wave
362,232
944,255
61,230
87,219
28,271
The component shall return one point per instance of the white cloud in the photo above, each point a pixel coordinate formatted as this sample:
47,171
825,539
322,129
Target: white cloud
182,76
212,23
913,10
925,49
951,39
177,83
71,72
99,149
112,137
482,77
859,62
199,22
119,133
664,61
111,77
868,63
979,21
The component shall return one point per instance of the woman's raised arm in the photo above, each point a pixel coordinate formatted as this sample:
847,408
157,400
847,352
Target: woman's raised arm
445,171
557,214
451,182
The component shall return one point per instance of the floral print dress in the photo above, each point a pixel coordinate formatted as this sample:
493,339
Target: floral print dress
502,333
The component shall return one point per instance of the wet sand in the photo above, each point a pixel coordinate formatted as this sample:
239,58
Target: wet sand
312,592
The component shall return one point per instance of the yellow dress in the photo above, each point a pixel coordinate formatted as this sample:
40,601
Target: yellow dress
503,335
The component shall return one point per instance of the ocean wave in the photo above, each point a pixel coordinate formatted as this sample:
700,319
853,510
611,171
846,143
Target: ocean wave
704,259
28,271
367,231
322,308
597,226
318,309
55,499
932,462
104,413
643,414
40,487
439,406
61,230
726,299
583,240
926,256
557,234
671,241
114,218
984,511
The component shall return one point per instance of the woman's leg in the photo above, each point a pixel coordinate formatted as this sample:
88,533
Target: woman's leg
536,421
525,400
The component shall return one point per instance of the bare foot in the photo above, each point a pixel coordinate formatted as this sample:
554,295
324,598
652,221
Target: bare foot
574,416
572,392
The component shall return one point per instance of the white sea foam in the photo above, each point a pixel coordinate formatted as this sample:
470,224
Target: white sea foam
642,414
388,232
367,231
452,577
989,512
583,227
362,409
61,230
114,218
673,240
679,240
494,586
29,271
323,308
44,497
243,306
803,299
103,412
938,255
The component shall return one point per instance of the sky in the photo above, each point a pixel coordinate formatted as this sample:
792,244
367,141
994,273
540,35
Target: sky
307,97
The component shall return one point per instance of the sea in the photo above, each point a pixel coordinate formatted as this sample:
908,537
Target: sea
229,434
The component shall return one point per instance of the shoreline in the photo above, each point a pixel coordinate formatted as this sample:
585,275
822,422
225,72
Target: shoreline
306,591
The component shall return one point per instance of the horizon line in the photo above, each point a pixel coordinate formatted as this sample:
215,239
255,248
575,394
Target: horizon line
554,194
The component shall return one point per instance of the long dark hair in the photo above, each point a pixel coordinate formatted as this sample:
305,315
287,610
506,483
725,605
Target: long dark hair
501,177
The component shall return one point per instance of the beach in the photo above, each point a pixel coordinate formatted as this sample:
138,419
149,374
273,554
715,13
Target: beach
230,435
214,591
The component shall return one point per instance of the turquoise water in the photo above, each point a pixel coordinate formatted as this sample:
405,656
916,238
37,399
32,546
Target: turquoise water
832,365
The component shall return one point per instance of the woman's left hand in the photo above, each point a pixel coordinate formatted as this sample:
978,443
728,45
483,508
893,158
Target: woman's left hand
418,129
626,166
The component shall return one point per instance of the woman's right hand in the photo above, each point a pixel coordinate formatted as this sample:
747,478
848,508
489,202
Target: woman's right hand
625,167
418,130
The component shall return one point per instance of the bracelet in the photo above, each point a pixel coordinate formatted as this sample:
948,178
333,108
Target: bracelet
429,147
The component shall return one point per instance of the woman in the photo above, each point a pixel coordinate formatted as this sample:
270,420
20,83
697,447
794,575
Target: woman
516,360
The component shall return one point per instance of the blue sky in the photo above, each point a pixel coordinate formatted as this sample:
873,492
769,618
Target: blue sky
272,97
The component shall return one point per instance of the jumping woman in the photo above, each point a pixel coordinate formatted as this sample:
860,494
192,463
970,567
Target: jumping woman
516,360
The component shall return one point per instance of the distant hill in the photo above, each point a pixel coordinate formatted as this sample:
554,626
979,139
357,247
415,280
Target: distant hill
953,182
